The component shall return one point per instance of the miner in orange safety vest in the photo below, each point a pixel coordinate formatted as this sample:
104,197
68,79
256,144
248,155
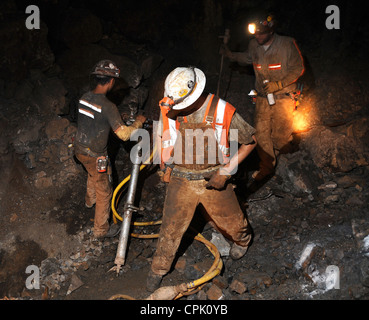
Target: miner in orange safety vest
199,136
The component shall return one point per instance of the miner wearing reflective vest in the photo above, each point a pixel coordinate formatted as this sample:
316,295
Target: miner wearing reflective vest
197,133
278,64
97,116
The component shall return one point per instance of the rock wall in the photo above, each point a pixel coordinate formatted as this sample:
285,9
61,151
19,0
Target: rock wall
44,72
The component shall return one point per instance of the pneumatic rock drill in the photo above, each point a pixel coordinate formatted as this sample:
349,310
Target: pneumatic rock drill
129,209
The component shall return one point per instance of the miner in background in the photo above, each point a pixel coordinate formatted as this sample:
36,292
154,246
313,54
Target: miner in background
195,175
278,65
97,115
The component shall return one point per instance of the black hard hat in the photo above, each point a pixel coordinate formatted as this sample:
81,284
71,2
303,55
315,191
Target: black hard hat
106,68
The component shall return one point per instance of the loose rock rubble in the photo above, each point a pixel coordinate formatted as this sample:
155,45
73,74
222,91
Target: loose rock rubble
61,273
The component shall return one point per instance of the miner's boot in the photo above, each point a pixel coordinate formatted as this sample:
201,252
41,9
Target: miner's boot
237,252
153,281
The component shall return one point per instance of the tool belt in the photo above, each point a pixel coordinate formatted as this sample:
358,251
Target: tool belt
102,161
194,175
87,151
276,96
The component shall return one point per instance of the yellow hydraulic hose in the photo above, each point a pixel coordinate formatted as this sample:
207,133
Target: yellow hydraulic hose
197,285
192,287
115,201
214,270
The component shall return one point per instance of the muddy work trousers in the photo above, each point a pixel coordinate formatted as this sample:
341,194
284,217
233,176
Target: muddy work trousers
99,191
274,127
181,200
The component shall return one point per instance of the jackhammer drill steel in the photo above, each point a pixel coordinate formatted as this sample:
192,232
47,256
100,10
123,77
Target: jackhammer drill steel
127,217
123,239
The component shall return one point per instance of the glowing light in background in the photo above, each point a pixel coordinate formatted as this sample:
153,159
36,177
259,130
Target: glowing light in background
304,117
300,121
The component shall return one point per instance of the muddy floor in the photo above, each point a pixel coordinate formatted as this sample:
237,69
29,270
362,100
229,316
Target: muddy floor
295,240
310,234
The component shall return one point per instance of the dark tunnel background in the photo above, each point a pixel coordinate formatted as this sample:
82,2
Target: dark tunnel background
188,34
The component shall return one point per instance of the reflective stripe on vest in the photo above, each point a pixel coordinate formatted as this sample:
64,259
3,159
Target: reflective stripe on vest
221,133
169,136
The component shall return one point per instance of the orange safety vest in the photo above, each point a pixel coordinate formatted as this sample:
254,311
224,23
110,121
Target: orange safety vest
220,123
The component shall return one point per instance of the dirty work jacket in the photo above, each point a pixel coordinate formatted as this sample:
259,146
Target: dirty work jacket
96,117
281,61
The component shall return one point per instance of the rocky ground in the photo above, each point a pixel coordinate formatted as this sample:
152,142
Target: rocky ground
310,221
305,219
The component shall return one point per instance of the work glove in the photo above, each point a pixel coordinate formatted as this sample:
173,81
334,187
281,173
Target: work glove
141,118
165,174
217,180
273,86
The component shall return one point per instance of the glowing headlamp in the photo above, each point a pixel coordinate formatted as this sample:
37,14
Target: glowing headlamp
252,28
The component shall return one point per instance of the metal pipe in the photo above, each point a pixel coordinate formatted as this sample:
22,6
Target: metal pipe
129,208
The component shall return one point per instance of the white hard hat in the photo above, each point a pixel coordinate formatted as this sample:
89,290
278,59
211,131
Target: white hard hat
184,86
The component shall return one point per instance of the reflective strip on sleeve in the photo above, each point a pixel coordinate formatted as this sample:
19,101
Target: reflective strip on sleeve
95,108
86,113
275,66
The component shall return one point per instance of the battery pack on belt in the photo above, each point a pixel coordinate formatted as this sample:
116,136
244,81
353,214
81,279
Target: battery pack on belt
102,164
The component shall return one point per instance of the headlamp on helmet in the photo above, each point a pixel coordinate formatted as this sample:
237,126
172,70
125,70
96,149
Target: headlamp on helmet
184,86
252,28
262,25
